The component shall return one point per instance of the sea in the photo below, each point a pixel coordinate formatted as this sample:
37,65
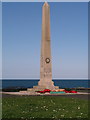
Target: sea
29,83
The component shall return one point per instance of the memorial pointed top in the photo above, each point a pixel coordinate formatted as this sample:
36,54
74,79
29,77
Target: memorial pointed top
45,4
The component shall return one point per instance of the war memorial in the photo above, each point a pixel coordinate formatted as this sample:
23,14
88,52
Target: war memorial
32,105
45,82
45,61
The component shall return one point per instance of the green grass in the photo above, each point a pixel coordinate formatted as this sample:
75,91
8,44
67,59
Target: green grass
44,107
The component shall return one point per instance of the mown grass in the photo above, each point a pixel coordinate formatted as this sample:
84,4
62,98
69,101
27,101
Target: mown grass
44,107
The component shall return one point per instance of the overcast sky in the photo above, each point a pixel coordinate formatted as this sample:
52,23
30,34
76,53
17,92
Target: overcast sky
22,39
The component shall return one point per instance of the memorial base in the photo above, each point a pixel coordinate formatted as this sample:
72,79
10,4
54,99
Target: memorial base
41,88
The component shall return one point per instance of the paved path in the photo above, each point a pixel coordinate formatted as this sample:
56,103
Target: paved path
85,96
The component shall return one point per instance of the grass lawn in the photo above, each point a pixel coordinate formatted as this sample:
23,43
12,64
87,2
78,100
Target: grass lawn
44,107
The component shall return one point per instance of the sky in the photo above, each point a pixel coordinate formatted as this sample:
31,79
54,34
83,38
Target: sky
21,39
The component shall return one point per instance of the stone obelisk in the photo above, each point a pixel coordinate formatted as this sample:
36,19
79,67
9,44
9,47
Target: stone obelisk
45,60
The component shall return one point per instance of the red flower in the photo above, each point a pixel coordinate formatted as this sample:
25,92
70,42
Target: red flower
47,90
73,91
